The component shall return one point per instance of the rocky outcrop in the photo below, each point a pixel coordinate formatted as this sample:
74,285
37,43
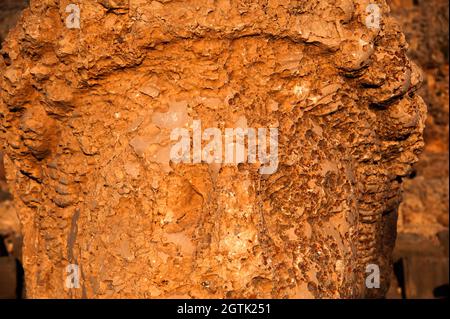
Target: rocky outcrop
87,115
426,26
423,215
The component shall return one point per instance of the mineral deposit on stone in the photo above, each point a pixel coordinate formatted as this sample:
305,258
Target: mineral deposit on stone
90,93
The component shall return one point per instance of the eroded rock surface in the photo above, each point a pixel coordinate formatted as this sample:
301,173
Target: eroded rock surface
86,115
423,215
425,210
